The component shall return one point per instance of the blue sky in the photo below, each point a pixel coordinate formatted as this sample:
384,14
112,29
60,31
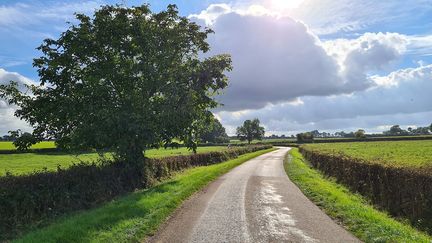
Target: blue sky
368,60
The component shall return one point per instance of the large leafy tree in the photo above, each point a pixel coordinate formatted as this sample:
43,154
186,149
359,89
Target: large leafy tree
213,132
250,130
124,79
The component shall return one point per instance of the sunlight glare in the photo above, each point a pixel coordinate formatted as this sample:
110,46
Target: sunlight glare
285,4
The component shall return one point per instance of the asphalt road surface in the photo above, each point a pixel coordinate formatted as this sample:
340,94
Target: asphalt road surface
255,202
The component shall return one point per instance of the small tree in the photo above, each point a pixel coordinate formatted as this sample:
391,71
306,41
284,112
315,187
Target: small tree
125,79
22,141
305,137
410,130
396,130
250,130
360,133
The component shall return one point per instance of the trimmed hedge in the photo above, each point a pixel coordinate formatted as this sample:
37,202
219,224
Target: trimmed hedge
371,139
29,200
403,192
42,150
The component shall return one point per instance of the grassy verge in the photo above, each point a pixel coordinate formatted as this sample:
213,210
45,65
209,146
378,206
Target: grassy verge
133,217
352,210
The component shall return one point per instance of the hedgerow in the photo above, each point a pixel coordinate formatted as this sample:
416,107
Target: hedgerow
402,191
29,201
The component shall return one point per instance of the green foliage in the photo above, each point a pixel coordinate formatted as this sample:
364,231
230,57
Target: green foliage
34,198
250,130
305,137
137,215
360,133
397,131
213,132
352,210
22,141
125,79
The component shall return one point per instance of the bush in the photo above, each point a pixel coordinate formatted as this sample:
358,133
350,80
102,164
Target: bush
305,137
32,199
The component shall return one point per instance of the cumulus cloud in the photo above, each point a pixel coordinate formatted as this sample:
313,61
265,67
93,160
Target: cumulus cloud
278,59
7,119
406,100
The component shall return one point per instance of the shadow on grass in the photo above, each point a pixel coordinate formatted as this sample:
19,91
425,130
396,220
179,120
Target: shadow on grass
126,218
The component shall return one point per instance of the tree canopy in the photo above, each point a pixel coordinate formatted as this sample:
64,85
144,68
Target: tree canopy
360,133
124,79
213,132
250,130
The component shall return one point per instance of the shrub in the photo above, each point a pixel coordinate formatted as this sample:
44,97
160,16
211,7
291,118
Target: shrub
305,137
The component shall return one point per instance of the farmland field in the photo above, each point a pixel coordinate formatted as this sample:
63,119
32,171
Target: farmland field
41,145
412,154
28,162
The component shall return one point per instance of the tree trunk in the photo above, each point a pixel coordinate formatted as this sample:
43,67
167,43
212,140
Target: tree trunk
133,155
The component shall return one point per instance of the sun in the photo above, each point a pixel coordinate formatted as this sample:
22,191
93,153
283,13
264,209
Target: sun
284,4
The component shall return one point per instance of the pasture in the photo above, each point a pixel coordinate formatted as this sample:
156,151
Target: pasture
24,163
5,145
413,154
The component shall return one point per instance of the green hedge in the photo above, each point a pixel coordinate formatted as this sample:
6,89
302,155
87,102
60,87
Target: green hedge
403,192
371,139
29,200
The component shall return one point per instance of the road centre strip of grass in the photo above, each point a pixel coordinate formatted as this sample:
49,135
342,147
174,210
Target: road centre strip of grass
352,210
136,216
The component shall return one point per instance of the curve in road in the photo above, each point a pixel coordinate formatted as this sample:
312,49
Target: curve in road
255,202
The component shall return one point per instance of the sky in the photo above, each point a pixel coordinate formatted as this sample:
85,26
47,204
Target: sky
299,65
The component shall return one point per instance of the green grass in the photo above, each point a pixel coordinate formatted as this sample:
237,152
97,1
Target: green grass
45,144
136,216
390,153
29,162
352,210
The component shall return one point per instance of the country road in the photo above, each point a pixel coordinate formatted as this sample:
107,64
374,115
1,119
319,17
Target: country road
255,202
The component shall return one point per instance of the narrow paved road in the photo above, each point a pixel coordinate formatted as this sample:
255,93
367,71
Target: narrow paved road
255,202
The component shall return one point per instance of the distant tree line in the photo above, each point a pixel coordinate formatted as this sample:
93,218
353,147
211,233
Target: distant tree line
394,130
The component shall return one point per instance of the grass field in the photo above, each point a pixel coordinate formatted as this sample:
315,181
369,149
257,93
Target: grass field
136,216
352,210
29,162
45,144
390,153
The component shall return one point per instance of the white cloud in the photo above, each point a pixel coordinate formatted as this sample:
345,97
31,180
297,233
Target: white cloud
7,119
333,16
278,59
420,45
405,102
